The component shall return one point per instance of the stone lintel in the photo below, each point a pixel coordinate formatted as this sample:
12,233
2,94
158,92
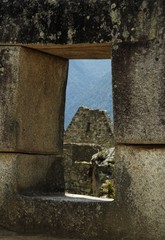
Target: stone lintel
70,22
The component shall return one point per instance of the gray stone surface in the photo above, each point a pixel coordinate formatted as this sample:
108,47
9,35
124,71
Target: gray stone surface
77,167
137,20
31,101
138,89
8,178
81,151
9,74
38,174
29,174
90,126
84,171
89,21
140,195
70,216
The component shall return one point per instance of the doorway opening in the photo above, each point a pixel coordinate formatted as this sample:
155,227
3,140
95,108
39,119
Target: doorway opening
89,84
88,138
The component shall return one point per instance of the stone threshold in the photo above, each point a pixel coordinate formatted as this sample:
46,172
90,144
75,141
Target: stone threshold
69,197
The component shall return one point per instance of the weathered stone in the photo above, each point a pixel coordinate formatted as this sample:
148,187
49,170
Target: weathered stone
104,157
29,174
28,87
63,216
140,195
77,167
58,22
90,126
8,178
81,151
81,176
138,86
39,174
31,84
89,132
89,21
137,20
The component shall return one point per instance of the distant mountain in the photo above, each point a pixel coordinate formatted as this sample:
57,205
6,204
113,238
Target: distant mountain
89,84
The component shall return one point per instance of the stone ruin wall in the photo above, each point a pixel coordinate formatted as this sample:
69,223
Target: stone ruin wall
89,132
90,126
77,166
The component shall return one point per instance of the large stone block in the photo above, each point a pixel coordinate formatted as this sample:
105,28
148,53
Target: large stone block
77,217
89,21
138,89
140,192
8,181
30,174
40,174
32,93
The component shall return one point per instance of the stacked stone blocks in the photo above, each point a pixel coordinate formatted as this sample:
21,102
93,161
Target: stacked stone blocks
90,131
30,135
136,31
138,90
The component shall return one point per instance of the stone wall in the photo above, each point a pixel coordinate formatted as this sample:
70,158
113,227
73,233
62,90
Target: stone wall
30,135
90,126
78,168
88,133
89,21
32,96
88,169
